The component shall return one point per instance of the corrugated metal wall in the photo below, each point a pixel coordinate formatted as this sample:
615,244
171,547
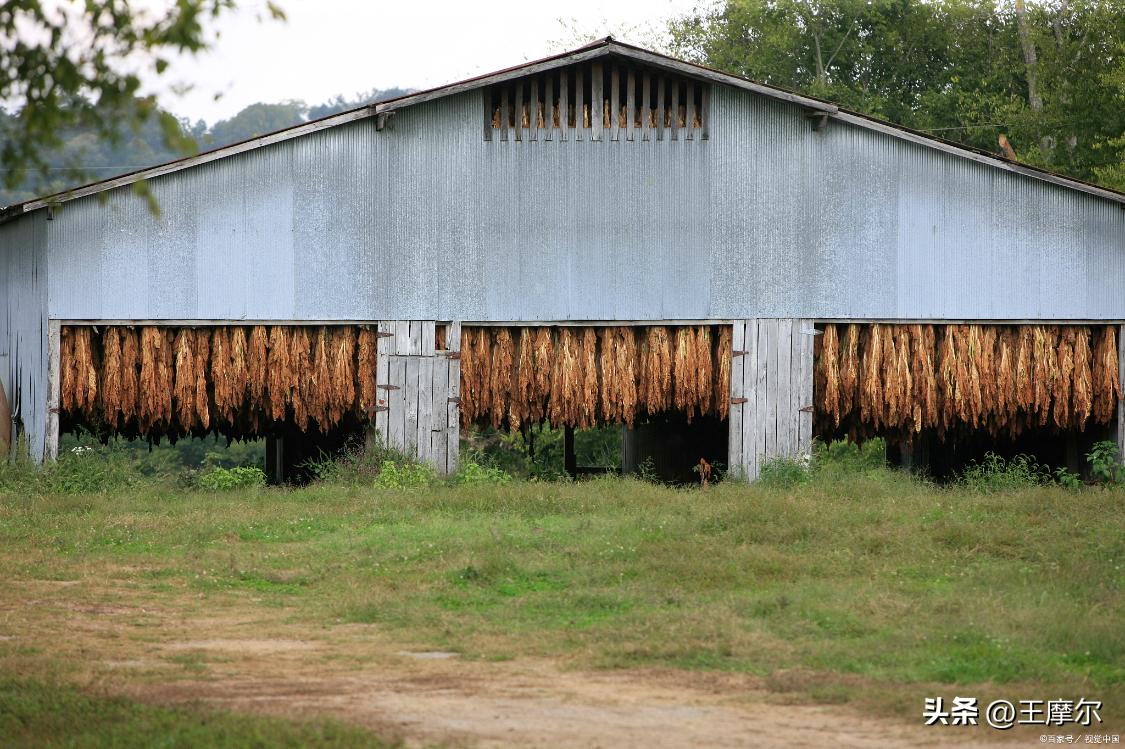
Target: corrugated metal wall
765,219
23,325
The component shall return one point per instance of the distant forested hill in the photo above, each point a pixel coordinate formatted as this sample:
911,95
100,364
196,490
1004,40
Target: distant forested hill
97,159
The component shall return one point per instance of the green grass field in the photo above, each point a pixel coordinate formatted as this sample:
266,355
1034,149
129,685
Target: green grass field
861,587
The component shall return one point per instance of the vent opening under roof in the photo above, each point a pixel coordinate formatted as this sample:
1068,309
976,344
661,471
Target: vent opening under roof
604,99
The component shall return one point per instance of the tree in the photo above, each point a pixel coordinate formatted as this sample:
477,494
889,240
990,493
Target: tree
1112,172
74,65
1040,73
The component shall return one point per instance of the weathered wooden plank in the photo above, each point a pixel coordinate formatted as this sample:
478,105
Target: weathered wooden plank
428,337
410,430
383,347
565,132
415,338
533,109
54,385
5,425
736,463
549,107
1121,379
439,412
674,105
597,101
769,365
402,338
661,113
396,403
689,110
631,106
518,90
505,112
453,423
785,413
486,101
580,104
615,102
805,394
425,419
705,114
646,105
753,419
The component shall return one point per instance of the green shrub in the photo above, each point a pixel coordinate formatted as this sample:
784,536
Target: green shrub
408,475
995,474
850,458
359,464
79,470
1105,463
240,477
785,473
472,473
1068,479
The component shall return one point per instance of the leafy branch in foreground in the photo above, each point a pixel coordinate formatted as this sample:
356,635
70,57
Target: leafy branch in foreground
78,65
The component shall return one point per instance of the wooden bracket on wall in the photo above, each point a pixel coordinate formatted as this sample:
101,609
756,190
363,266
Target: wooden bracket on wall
819,120
384,121
739,353
453,354
454,399
737,401
806,409
388,387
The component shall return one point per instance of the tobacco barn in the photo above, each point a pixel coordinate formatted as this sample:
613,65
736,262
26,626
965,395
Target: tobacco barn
605,236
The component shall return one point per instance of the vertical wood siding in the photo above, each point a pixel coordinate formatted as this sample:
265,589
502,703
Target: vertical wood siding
771,393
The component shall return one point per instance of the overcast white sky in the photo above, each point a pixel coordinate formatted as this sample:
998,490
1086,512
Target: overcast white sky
330,47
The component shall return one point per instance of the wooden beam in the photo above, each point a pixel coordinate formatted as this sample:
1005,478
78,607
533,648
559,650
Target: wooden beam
579,104
486,103
54,401
615,102
674,105
597,104
1120,404
505,112
564,106
630,105
646,106
549,108
705,113
5,423
453,423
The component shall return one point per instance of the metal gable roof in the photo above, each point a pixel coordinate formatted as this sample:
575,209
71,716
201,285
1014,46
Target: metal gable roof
600,48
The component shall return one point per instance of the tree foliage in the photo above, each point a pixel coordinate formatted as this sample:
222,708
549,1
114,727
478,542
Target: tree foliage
68,67
1050,75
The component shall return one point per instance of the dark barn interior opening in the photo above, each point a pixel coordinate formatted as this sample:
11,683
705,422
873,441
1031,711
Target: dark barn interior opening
668,387
945,396
309,390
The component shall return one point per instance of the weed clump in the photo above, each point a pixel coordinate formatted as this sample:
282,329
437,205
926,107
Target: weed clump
225,479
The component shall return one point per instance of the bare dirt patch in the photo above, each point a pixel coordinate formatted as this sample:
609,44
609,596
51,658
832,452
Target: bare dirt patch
238,657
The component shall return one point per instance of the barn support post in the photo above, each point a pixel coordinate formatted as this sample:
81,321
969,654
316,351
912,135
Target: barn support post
771,393
6,429
275,459
1120,425
418,384
54,383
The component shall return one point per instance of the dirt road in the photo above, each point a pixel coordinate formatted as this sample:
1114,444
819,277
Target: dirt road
240,659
